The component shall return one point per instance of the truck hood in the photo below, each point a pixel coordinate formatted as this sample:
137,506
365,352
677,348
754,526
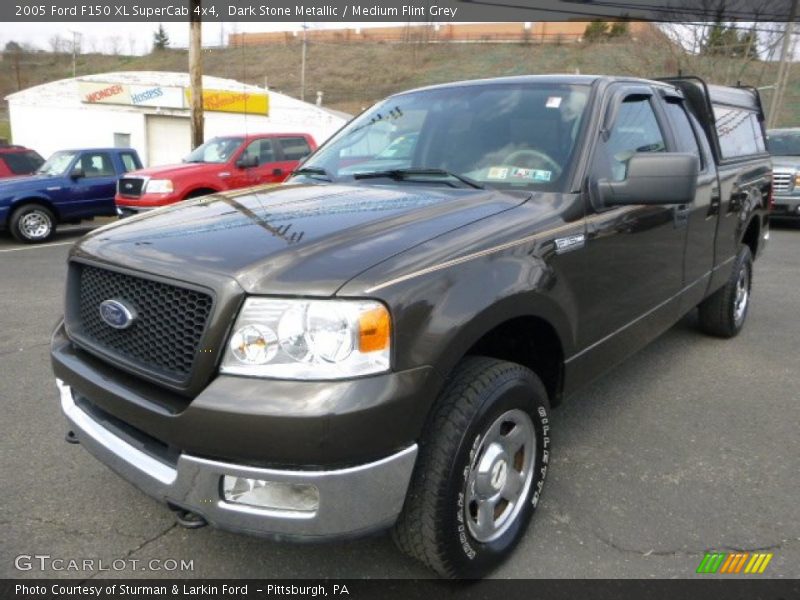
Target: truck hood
290,239
27,182
786,162
178,170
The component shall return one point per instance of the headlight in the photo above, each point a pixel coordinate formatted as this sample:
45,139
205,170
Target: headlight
159,186
309,339
797,180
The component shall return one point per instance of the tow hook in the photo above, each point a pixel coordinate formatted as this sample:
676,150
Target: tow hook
188,519
71,438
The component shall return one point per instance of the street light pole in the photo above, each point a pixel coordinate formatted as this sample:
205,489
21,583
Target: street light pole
303,65
783,68
75,35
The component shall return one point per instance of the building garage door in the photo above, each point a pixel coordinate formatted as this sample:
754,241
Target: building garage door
168,139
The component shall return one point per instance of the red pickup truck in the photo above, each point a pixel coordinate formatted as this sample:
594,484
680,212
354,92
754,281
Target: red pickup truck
222,163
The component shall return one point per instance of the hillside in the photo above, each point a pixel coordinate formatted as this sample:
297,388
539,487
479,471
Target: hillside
353,75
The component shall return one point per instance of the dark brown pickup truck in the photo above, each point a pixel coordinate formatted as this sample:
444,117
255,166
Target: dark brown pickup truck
378,342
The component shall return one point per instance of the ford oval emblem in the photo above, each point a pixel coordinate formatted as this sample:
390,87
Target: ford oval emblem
116,314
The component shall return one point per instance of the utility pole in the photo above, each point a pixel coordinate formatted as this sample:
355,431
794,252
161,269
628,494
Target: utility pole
303,65
783,68
196,71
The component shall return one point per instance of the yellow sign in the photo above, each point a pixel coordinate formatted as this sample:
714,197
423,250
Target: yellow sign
235,102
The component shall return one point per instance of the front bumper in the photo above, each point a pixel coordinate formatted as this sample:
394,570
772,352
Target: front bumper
352,501
130,211
786,206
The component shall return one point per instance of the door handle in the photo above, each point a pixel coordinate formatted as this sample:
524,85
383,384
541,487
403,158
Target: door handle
716,200
277,172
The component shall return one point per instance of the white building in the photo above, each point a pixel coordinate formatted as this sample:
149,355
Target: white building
149,111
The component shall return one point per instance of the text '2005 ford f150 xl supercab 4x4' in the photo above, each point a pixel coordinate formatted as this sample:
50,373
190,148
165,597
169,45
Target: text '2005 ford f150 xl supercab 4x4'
377,343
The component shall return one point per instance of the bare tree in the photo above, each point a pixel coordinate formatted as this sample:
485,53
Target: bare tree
14,51
57,44
132,44
114,45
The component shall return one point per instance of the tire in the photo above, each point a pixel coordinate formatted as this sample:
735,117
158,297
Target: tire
724,312
32,224
466,455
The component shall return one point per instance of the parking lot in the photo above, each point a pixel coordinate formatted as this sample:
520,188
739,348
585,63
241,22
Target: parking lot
691,445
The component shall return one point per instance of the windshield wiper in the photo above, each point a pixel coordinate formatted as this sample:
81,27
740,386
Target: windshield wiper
313,171
401,174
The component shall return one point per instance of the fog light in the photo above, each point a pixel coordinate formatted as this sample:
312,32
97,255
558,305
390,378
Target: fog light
302,497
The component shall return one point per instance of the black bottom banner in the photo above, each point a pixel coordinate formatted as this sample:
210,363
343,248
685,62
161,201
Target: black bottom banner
527,589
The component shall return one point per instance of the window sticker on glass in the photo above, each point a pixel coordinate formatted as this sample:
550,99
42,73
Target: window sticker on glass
531,174
497,173
553,102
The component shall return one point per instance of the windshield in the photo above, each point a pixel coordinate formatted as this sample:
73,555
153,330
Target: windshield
217,150
784,143
57,164
502,136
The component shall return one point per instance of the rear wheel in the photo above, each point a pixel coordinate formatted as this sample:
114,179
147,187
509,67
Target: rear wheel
724,312
481,467
32,224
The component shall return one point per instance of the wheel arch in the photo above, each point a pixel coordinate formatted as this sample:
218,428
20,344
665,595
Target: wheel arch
17,203
198,191
531,331
751,236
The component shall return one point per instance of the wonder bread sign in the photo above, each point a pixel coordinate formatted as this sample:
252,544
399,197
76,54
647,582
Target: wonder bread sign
157,96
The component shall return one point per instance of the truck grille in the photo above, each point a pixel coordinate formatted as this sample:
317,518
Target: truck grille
165,336
782,181
130,187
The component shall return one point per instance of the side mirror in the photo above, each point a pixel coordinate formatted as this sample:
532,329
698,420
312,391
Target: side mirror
247,161
77,173
653,178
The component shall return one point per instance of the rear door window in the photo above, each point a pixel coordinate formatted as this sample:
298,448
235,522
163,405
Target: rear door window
294,148
685,136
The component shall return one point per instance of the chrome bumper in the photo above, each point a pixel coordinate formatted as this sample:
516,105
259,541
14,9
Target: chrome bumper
352,501
127,211
786,206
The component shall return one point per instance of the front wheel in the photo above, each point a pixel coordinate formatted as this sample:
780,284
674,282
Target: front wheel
32,224
724,312
482,464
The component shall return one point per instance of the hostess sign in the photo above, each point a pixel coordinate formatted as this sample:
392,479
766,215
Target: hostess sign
148,95
156,96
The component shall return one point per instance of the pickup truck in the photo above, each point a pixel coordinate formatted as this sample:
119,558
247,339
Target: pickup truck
784,146
378,343
222,163
72,185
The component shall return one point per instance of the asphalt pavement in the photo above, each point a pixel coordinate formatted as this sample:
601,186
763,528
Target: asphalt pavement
690,446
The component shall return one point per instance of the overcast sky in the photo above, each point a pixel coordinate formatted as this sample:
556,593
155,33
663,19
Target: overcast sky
139,36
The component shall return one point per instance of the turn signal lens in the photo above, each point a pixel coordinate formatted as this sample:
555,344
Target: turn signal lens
374,329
